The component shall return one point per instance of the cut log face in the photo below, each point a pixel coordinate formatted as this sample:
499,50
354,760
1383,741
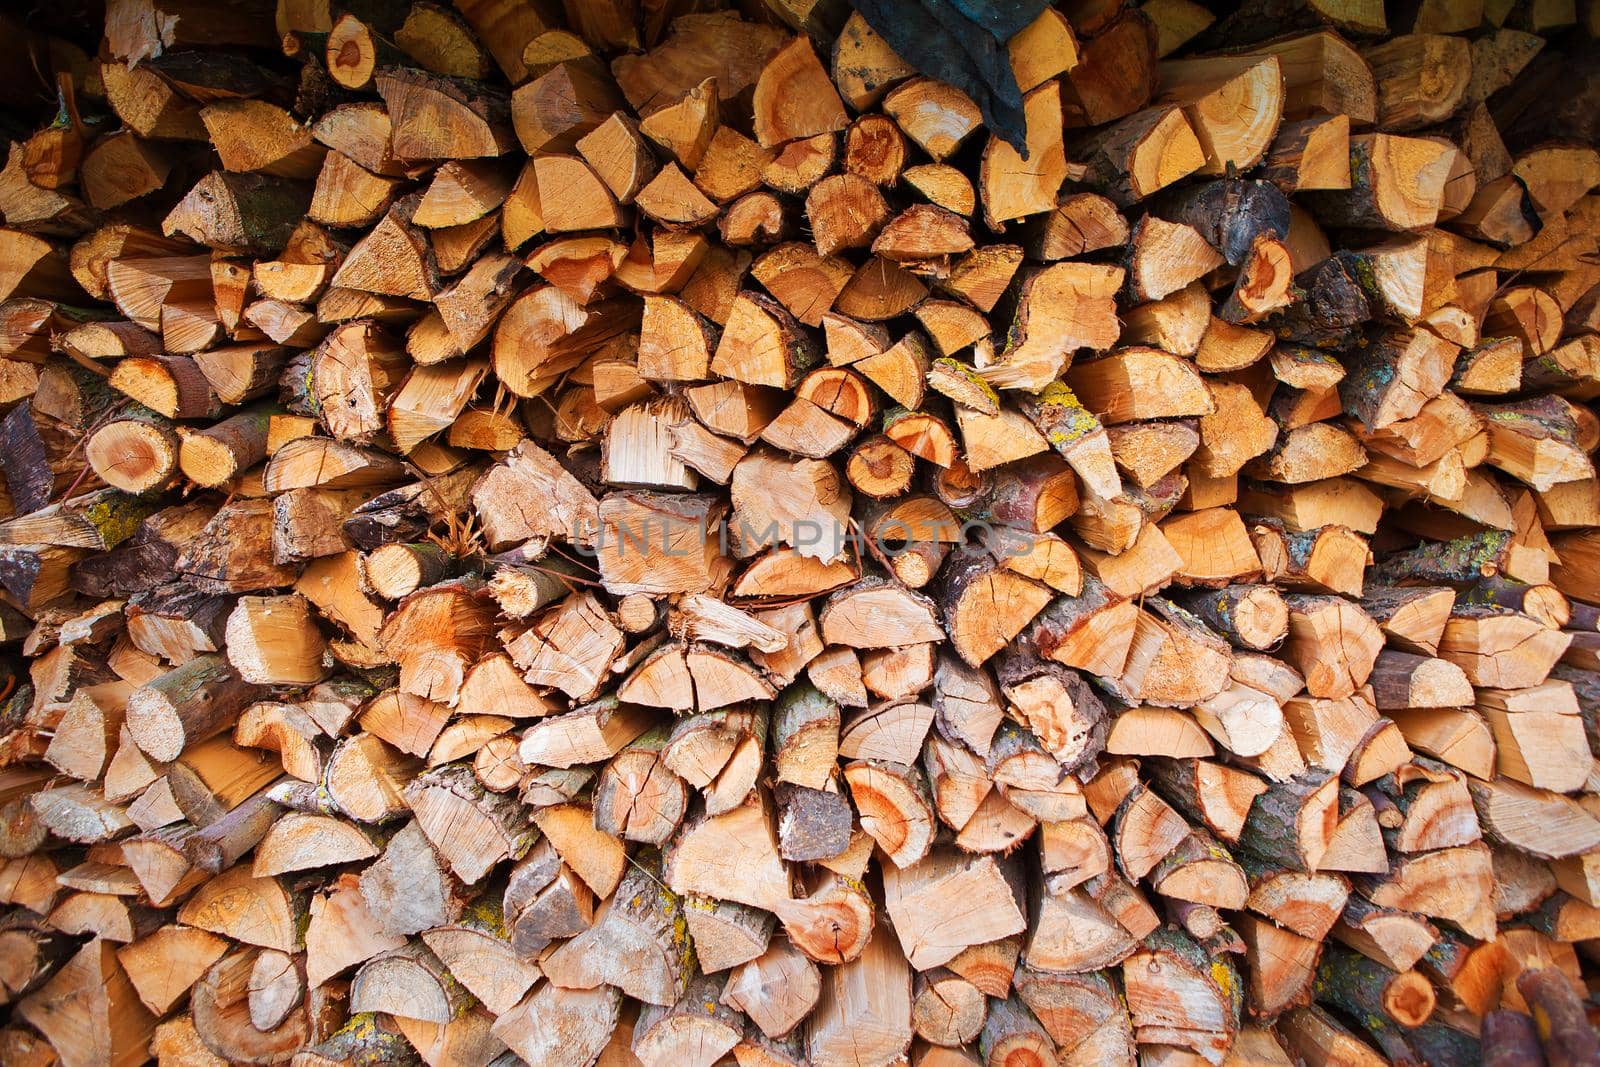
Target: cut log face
927,902
676,534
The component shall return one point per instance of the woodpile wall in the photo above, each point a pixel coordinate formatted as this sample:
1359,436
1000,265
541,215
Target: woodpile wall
650,532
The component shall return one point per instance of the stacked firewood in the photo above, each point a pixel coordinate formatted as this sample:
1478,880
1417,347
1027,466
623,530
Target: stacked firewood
632,532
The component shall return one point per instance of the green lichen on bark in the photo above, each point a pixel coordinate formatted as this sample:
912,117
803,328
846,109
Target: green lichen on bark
1218,969
966,378
650,903
1358,986
116,516
1464,559
367,1040
486,915
1060,416
1546,418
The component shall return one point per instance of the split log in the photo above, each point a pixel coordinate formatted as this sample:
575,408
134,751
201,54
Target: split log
638,944
865,1007
1206,494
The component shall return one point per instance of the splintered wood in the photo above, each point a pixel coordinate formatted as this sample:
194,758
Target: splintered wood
667,535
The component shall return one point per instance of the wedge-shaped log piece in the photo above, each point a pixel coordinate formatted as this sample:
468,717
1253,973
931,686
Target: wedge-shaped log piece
1537,441
1454,884
727,934
570,646
895,808
1411,617
1142,154
1540,823
697,1030
1173,659
947,902
89,1010
1293,823
435,117
685,128
586,735
598,858
1538,736
864,1012
1396,183
554,111
1404,680
256,911
733,856
1235,116
762,344
409,982
1179,994
304,840
561,1027
437,634
1332,642
1310,154
658,543
938,117
986,605
1140,383
1393,938
529,494
252,214
1013,188
545,333
875,614
1500,647
946,1009
544,899
1063,714
1059,309
776,991
1421,78
472,828
321,462
1396,375
1164,257
832,923
794,97
164,965
638,943
275,641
